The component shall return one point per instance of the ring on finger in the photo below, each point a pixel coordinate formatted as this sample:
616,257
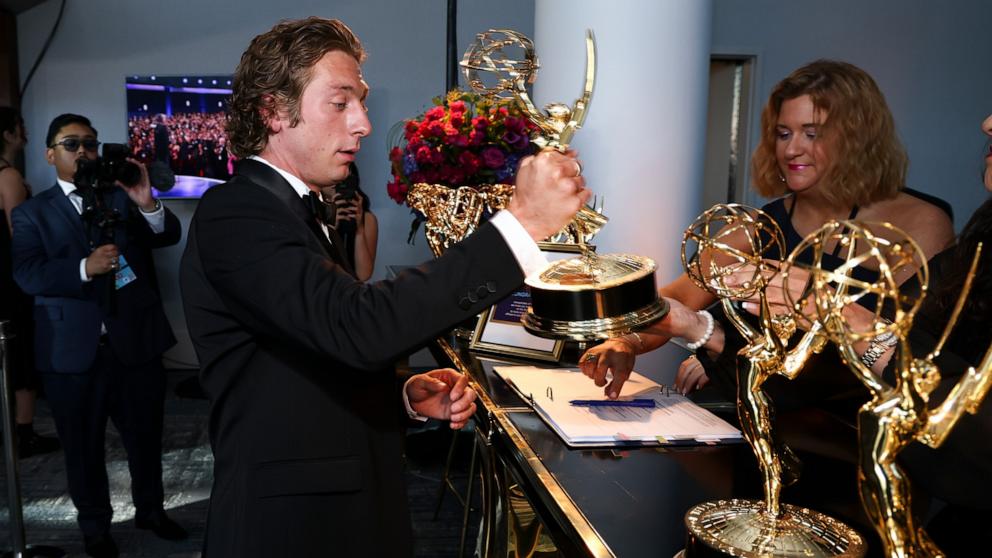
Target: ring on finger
578,167
591,358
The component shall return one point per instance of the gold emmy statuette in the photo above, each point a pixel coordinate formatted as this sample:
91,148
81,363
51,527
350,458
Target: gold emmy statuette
724,252
588,297
897,414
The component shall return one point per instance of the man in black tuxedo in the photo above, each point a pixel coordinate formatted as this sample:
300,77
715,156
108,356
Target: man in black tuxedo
100,329
306,422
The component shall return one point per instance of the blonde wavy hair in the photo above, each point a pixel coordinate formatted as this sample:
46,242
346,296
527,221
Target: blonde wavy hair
274,72
868,161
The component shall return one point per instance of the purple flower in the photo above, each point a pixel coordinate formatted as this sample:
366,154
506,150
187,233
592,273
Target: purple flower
515,125
493,157
409,164
516,140
509,167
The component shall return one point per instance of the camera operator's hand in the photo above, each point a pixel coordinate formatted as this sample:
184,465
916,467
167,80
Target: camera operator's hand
102,260
141,193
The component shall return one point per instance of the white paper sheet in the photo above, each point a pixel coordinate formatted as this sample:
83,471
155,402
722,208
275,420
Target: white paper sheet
674,417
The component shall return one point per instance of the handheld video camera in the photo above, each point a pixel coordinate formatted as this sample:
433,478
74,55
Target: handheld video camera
104,171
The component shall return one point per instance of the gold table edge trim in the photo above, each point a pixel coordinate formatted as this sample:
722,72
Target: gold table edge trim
590,537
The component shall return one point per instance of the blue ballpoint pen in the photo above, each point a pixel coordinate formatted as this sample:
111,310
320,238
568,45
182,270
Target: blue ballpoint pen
646,403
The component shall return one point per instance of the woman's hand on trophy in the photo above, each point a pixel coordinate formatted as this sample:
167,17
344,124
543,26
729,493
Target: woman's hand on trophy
691,375
615,356
784,293
549,191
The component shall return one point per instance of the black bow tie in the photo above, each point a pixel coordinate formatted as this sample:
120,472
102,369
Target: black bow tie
321,211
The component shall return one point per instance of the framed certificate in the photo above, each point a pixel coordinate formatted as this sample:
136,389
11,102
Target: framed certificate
499,330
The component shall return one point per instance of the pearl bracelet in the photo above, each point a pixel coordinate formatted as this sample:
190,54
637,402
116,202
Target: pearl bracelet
710,324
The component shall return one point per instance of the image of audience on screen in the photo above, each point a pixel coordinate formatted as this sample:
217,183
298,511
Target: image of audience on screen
179,121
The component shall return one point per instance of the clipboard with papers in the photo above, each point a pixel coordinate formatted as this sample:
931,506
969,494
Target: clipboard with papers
673,418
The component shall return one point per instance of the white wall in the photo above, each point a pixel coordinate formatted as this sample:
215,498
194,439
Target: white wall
101,41
931,60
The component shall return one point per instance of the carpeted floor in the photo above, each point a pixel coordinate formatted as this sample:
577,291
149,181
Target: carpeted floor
187,464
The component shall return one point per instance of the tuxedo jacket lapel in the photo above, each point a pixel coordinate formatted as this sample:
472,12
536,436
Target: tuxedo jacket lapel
64,207
266,177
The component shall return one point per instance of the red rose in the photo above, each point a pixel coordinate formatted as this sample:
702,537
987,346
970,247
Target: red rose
457,140
423,155
434,129
480,122
396,154
435,113
469,162
395,193
410,129
457,106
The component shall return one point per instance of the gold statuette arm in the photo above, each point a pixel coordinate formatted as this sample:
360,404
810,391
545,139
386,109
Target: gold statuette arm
863,373
811,343
747,332
959,305
966,396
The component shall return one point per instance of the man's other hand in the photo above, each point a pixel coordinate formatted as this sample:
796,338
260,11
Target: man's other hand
442,394
550,190
102,260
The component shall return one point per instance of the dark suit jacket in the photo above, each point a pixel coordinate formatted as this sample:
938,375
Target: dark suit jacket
306,421
48,243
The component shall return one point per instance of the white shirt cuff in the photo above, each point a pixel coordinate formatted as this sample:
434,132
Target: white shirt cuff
414,415
529,257
82,271
156,219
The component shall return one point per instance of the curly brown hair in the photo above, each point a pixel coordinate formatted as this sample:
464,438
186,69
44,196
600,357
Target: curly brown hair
273,73
869,162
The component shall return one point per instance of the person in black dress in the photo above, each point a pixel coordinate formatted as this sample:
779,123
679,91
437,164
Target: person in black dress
15,306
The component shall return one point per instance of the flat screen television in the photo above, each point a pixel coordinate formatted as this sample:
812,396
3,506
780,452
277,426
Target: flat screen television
179,120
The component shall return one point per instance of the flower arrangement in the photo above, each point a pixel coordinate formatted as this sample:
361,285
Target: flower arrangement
463,140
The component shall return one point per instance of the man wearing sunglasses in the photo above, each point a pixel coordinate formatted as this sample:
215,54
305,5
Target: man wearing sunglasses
100,329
